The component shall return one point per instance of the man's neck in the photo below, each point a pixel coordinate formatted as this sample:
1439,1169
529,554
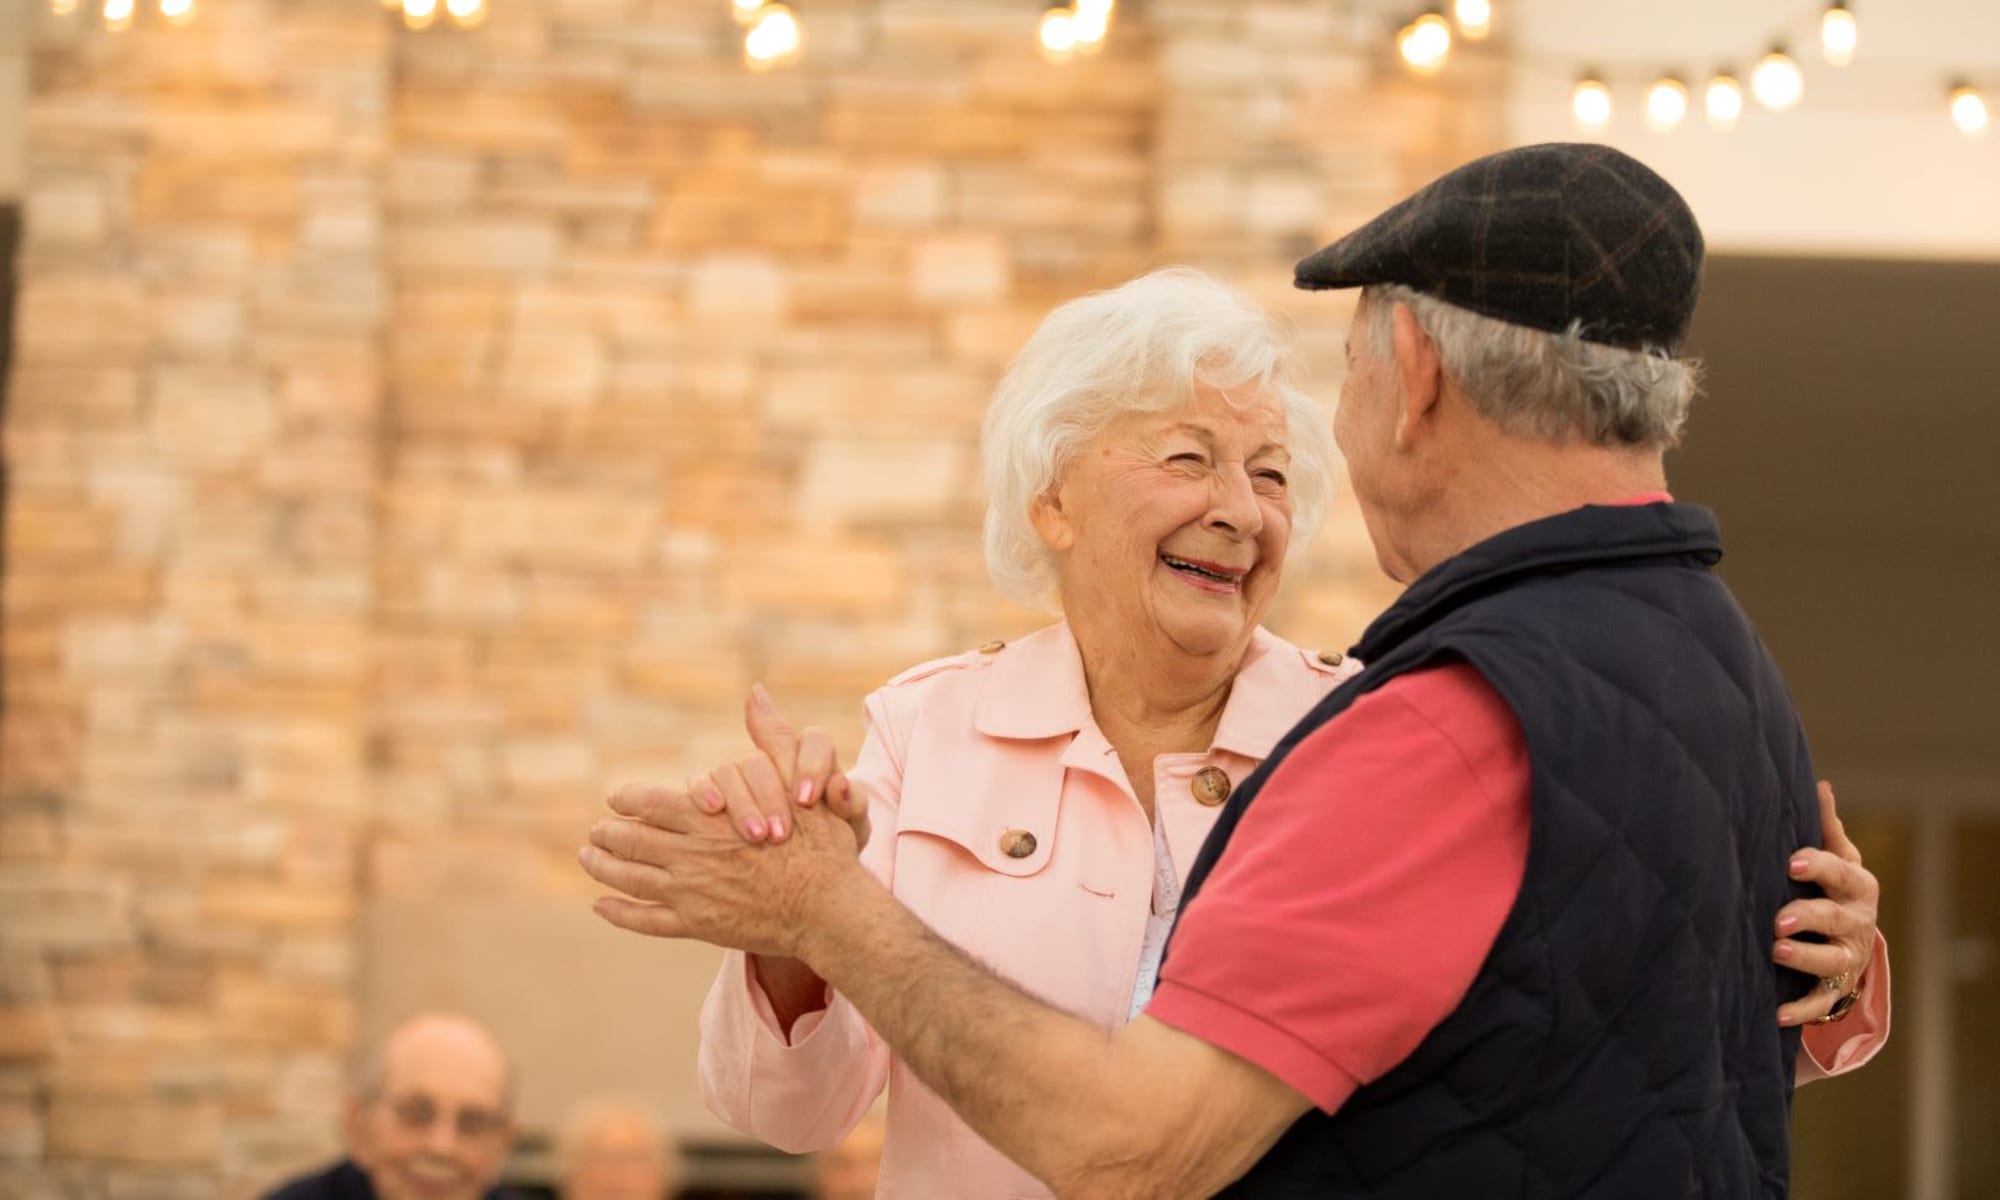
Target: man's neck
1519,481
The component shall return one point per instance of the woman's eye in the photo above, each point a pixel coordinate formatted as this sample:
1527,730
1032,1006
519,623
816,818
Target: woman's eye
1277,477
1187,457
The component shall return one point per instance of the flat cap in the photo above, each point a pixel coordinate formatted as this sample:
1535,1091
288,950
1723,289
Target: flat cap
1542,236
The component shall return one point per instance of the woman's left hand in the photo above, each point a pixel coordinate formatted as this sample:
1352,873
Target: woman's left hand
1845,918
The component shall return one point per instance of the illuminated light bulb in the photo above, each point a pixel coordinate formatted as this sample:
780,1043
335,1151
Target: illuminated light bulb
62,8
1425,43
420,14
746,10
1724,100
1475,18
1058,33
1968,110
1777,82
1090,21
177,12
1591,103
774,39
118,14
1666,105
1838,34
466,14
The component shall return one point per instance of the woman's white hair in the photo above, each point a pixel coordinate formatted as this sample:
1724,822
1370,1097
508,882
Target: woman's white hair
1554,386
1141,347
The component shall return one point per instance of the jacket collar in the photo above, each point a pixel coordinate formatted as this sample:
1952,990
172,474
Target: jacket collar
1596,535
1035,689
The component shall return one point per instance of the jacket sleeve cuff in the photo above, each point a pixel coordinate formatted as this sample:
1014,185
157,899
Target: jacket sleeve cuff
1846,1045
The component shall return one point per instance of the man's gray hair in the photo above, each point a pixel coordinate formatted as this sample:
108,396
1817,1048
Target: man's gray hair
1141,347
1555,386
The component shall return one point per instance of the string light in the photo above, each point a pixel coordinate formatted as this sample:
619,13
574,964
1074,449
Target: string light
62,8
1591,103
1474,17
746,11
1058,33
420,14
1425,43
1090,21
118,14
177,12
1666,105
1724,100
1838,34
466,14
773,40
1777,82
1968,110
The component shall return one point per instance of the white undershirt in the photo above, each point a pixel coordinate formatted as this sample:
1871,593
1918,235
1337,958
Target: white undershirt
1160,922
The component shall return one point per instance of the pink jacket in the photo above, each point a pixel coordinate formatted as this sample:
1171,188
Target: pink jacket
963,756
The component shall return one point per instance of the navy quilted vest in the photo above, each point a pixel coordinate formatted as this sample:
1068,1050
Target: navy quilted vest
1621,1039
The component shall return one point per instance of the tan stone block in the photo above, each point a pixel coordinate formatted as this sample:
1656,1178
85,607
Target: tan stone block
960,268
55,908
899,196
549,762
323,299
466,119
513,246
989,337
556,529
425,310
86,396
109,1129
200,326
275,904
172,190
322,650
738,286
20,1138
870,401
31,592
47,531
426,364
26,1033
211,416
580,606
68,214
804,574
564,369
81,319
622,314
252,1009
433,181
341,226
852,481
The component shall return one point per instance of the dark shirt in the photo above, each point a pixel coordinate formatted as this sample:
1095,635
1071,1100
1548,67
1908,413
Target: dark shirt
344,1181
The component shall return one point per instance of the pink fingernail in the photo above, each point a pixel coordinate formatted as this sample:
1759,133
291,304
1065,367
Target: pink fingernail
755,826
1784,952
1800,866
777,829
711,801
806,794
1787,924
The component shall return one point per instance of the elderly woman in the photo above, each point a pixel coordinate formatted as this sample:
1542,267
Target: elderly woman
1149,465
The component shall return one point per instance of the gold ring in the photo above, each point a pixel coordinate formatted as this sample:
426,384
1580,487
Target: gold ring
1834,983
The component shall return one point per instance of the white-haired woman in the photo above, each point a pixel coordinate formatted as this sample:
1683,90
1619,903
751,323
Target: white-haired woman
1149,463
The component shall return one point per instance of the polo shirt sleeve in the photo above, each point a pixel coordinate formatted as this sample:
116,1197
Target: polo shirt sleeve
1362,890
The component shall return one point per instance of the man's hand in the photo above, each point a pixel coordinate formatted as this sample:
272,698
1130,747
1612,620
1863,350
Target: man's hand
685,873
1845,918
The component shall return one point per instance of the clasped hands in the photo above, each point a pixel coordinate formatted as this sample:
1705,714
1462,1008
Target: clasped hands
742,856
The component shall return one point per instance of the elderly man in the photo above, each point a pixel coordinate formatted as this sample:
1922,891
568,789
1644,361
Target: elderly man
431,1119
615,1150
1379,983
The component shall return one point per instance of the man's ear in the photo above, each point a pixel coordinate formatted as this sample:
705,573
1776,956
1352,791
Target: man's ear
1046,514
352,1117
1420,373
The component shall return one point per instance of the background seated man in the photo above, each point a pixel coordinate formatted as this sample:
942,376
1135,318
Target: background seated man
431,1119
615,1150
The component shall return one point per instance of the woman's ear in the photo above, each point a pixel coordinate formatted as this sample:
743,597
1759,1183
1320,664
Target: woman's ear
1045,513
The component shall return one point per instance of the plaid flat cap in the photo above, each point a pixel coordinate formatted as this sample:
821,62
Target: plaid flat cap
1541,236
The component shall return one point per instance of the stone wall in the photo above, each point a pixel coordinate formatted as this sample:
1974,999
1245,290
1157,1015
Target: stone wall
411,434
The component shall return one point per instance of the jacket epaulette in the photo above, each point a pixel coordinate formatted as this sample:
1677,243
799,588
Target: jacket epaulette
968,660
